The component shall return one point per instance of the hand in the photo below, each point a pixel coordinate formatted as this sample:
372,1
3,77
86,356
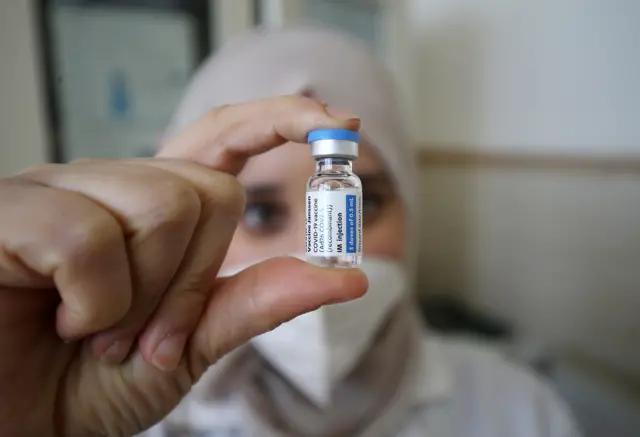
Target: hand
109,304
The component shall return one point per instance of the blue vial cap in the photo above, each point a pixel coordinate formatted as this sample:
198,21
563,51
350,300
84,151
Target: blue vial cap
333,134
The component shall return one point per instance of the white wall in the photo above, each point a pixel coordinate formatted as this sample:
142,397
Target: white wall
22,129
556,252
546,75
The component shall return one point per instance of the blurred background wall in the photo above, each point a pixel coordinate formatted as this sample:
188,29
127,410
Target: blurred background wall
525,115
552,242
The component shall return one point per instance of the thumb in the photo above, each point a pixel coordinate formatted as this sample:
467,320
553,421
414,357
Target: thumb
264,296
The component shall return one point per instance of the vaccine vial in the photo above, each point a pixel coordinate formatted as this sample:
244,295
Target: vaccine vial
334,200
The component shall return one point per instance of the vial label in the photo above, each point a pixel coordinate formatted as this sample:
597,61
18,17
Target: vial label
334,222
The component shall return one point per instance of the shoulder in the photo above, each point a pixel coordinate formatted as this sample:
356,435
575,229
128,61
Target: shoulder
488,385
486,365
194,417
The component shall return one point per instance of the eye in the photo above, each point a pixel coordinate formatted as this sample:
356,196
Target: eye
264,217
372,206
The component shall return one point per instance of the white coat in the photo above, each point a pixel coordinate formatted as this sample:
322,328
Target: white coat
465,391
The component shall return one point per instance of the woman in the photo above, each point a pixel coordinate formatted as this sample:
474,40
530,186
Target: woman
367,367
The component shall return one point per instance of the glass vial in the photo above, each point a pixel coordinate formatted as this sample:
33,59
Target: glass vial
334,200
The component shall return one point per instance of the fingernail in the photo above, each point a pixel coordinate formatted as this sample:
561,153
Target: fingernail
169,352
117,352
338,113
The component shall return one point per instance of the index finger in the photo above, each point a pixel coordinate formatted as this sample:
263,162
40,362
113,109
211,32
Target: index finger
224,138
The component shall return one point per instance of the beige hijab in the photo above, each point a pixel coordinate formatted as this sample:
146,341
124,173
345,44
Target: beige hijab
375,398
337,68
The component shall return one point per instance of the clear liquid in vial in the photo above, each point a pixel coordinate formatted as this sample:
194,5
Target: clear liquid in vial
334,191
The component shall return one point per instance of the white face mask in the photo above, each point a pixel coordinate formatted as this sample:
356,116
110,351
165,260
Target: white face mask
316,350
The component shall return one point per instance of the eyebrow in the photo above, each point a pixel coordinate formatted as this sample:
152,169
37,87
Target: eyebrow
375,178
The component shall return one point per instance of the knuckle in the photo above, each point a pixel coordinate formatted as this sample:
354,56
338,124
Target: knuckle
295,98
296,101
89,236
219,191
228,196
194,292
91,316
218,111
214,116
172,200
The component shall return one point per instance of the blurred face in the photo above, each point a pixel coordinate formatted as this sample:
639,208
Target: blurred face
274,219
